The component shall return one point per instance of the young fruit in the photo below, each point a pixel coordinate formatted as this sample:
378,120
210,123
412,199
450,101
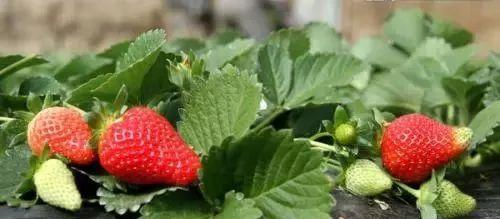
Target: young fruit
143,148
345,134
451,202
365,178
413,145
64,131
55,185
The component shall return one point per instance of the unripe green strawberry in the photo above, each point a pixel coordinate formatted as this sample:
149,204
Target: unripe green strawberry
451,202
55,185
365,178
345,134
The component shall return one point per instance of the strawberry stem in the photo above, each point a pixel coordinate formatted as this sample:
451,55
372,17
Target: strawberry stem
5,119
410,190
319,135
269,118
325,147
4,71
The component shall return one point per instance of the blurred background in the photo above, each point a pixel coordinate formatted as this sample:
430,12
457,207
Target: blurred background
36,26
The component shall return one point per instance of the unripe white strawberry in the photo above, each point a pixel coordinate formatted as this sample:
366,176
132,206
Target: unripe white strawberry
56,186
365,178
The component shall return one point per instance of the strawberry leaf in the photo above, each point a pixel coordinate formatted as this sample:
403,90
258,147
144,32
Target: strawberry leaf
324,39
406,28
179,204
190,205
455,35
82,68
133,66
33,103
40,85
276,63
393,90
236,206
13,63
220,55
115,51
492,92
484,122
14,161
317,79
83,92
107,181
272,170
224,105
378,52
123,202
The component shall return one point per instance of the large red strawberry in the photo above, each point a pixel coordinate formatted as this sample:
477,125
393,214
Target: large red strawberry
413,145
143,148
64,131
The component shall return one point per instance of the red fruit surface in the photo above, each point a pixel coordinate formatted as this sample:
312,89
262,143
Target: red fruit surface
64,131
413,145
143,148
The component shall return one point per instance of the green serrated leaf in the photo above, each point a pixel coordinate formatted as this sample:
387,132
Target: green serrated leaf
184,45
276,63
316,78
83,93
484,122
217,57
12,102
133,66
324,39
156,82
82,68
40,86
222,38
14,161
378,52
107,181
492,92
178,205
13,63
34,104
14,133
122,202
393,90
427,74
236,206
121,98
189,205
406,28
116,51
224,105
452,33
283,177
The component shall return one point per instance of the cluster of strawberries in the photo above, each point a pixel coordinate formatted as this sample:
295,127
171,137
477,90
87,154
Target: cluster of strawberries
412,147
140,147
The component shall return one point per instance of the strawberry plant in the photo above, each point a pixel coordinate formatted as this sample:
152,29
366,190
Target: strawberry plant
228,127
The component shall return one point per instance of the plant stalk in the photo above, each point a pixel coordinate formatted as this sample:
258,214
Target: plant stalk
269,118
16,64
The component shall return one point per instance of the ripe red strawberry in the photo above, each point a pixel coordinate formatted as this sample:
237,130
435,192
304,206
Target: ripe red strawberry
64,131
143,148
413,145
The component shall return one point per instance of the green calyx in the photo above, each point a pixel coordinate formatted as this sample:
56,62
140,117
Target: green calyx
365,178
345,134
451,202
56,186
